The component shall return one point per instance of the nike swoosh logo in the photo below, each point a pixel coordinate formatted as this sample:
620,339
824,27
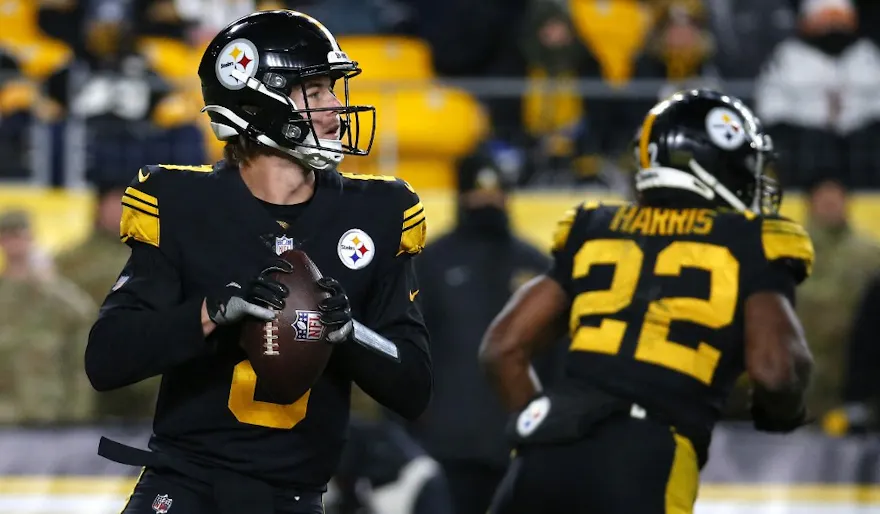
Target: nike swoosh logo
413,294
142,177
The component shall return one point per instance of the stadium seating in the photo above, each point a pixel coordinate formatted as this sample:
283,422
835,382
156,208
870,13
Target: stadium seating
38,54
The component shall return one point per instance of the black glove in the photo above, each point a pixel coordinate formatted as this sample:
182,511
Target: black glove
257,298
335,311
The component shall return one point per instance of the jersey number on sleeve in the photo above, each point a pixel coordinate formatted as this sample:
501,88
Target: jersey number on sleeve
653,344
254,412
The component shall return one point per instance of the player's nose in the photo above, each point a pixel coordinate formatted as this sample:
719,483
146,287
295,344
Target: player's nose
333,101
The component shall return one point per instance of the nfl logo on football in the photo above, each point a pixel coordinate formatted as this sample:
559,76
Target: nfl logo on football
308,326
161,504
282,244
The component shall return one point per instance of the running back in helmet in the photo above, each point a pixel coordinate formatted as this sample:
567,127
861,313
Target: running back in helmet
259,75
704,148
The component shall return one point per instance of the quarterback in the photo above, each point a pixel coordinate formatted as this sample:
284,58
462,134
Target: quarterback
203,243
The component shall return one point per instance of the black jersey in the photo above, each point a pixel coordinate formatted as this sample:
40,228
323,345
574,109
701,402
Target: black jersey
194,230
658,294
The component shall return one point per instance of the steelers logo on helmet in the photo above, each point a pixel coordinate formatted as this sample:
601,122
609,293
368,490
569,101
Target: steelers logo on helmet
725,128
237,62
356,249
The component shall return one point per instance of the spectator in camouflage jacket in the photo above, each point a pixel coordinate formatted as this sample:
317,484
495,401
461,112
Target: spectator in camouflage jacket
44,324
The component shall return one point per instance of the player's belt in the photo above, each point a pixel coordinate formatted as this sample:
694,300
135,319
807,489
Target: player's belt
569,414
234,493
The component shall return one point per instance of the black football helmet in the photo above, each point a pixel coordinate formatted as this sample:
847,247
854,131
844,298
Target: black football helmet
707,144
250,69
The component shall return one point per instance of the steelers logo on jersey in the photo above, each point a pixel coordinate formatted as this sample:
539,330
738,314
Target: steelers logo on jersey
725,128
356,249
236,63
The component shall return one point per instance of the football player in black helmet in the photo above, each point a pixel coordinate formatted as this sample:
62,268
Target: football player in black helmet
703,148
667,301
204,245
271,81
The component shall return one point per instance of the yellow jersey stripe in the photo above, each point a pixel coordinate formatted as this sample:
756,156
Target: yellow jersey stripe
413,211
414,224
139,205
203,168
563,228
783,239
144,197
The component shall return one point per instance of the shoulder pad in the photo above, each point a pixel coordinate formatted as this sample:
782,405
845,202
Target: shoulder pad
785,240
414,229
140,202
563,226
140,208
366,177
202,168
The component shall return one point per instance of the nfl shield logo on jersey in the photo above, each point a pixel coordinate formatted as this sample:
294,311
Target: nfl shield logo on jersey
308,326
282,244
161,504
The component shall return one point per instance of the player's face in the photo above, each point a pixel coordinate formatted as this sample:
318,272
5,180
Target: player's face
317,93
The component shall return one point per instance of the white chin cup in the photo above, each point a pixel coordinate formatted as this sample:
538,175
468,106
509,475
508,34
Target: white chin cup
328,156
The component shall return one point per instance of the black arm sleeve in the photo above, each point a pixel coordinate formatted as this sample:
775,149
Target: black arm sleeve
404,387
143,328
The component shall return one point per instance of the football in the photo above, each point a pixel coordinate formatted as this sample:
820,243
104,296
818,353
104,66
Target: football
289,353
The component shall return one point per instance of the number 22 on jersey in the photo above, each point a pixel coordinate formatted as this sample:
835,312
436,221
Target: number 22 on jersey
653,345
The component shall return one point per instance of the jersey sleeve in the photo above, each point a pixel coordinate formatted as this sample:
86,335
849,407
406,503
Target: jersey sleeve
787,243
145,326
414,224
140,208
393,310
560,250
146,205
394,307
787,257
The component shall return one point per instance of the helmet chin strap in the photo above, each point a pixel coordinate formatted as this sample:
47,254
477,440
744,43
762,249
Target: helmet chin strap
327,157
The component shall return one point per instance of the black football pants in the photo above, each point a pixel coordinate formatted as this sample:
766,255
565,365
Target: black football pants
471,484
161,491
625,466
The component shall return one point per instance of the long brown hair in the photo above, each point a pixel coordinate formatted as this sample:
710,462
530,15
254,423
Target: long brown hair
242,149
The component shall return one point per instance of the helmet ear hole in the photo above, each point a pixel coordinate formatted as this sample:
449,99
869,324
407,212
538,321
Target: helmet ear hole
296,130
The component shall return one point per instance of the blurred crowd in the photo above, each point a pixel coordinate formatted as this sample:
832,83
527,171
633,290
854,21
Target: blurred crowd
108,79
90,87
